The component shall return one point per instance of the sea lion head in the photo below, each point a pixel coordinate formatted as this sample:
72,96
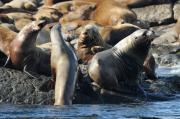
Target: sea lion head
140,42
136,45
90,35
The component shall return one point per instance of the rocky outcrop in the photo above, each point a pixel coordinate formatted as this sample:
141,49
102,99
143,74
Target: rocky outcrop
176,10
155,14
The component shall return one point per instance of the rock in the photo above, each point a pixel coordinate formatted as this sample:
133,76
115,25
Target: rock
176,10
170,37
18,88
162,29
142,3
155,14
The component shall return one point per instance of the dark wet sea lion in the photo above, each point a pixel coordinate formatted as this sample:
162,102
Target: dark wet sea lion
149,67
64,67
89,43
118,68
25,55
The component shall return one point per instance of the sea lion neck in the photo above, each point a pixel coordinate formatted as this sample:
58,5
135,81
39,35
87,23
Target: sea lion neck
57,39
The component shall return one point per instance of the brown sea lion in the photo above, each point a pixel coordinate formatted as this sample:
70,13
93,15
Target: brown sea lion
89,43
111,12
82,13
6,37
113,34
118,68
64,68
25,55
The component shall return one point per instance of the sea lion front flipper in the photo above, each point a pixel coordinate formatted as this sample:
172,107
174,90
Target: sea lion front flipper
30,73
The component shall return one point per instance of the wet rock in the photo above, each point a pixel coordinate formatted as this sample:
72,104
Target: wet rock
176,10
155,14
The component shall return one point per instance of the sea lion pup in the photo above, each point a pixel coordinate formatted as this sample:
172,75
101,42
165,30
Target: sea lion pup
118,68
25,55
64,67
113,34
89,43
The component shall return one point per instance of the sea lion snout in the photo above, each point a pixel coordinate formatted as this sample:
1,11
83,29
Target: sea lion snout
151,35
38,25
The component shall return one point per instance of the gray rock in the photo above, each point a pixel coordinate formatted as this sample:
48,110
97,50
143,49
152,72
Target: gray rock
176,10
162,29
169,37
18,88
142,3
155,14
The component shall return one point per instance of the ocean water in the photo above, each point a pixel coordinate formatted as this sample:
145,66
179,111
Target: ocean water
148,110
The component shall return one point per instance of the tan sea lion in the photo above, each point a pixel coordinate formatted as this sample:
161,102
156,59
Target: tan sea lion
64,66
118,68
89,43
48,14
20,23
25,55
111,12
23,4
82,13
6,37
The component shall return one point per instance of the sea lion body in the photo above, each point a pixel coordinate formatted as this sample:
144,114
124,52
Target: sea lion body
64,68
118,68
89,43
6,37
25,55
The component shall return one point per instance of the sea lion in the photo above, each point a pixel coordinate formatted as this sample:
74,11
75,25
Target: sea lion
111,12
20,23
23,4
25,55
64,67
89,43
6,37
82,13
48,14
118,68
113,34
